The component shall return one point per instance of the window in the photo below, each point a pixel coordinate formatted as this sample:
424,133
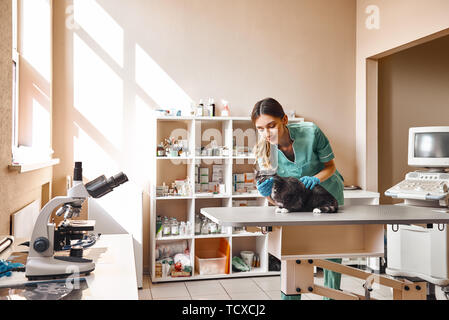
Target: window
31,63
15,75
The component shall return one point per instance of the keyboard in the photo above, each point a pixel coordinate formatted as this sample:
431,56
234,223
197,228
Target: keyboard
421,185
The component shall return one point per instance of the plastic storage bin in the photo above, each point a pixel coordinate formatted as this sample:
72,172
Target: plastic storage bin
210,262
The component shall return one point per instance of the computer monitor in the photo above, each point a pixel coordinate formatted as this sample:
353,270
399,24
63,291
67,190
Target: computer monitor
428,147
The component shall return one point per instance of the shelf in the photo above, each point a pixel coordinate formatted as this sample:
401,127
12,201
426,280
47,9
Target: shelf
173,198
248,273
220,276
212,158
189,206
210,276
174,238
360,194
243,157
222,235
174,158
174,118
255,273
209,236
247,195
218,118
213,118
212,196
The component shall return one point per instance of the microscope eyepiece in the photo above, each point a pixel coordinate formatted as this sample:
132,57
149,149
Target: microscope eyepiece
118,179
78,172
102,186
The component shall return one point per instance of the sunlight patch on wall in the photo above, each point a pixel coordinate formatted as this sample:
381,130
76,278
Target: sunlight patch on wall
143,132
108,34
95,160
35,30
158,84
41,127
98,93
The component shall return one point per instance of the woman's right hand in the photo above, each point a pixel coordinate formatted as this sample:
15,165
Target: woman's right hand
265,187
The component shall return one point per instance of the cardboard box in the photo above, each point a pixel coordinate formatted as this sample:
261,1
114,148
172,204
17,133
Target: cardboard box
178,274
240,203
250,186
214,187
218,168
253,229
249,177
240,187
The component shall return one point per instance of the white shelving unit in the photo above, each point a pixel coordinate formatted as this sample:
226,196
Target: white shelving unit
199,131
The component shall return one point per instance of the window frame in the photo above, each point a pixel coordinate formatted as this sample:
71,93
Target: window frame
25,158
15,76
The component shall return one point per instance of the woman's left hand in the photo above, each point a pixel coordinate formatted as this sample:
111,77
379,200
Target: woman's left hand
310,182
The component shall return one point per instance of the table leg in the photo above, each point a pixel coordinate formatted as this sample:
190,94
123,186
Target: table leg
297,278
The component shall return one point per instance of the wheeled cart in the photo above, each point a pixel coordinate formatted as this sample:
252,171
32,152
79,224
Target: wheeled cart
302,240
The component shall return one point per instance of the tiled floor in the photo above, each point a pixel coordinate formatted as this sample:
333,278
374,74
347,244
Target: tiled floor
256,288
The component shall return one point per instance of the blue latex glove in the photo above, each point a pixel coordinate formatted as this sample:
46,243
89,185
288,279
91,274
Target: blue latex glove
6,267
265,187
310,182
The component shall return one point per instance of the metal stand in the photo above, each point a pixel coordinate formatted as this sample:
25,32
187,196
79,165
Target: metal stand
297,277
431,291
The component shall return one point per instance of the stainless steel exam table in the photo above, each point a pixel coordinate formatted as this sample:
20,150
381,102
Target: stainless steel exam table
301,240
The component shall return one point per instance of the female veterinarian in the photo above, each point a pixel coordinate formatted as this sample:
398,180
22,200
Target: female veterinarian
302,151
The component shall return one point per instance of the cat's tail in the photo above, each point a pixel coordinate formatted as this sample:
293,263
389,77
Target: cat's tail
326,209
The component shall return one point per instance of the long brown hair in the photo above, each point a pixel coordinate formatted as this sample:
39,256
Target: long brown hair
270,107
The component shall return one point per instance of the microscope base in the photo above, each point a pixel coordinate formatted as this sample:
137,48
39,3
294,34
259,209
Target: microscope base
42,268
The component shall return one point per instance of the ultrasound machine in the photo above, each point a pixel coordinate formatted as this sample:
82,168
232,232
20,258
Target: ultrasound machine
422,250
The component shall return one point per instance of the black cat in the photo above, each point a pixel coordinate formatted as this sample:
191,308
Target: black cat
290,195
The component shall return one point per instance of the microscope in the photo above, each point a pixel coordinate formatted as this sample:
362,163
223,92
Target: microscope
47,238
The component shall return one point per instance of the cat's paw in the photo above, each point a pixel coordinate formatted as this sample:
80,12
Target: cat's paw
316,211
278,210
284,210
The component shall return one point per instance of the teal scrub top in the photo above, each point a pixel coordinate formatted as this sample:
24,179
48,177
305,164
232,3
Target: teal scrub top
312,149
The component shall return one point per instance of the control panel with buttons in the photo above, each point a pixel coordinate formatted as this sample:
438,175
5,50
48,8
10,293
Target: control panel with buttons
422,186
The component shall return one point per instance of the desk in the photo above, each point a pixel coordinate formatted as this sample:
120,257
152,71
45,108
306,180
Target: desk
360,197
298,238
114,277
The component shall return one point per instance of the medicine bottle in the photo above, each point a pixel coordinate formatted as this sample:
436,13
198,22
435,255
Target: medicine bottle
166,229
174,227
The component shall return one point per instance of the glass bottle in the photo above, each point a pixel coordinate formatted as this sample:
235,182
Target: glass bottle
189,228
218,228
158,227
166,230
182,228
197,224
174,227
205,227
160,150
212,227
